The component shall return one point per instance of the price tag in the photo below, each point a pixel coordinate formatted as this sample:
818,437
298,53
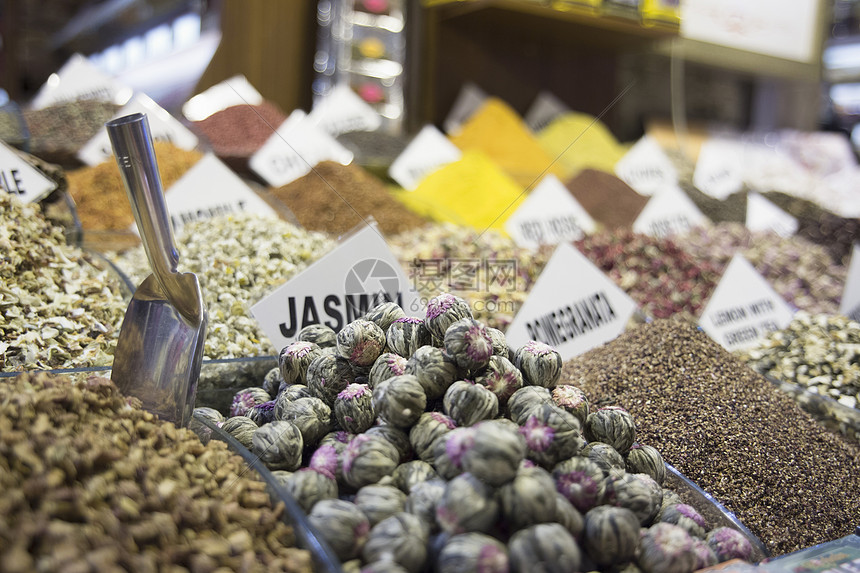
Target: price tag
743,308
549,215
469,100
342,111
763,215
296,147
427,152
79,79
850,305
669,212
646,167
340,287
573,306
720,168
19,178
543,110
210,189
233,91
162,126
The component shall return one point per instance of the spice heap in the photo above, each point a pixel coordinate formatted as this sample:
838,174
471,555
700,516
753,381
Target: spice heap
59,131
488,270
660,276
819,352
239,131
89,481
58,309
736,435
578,141
336,198
438,476
238,259
100,196
836,234
801,272
609,200
13,129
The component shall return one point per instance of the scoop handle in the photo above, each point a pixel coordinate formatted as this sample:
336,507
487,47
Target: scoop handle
131,140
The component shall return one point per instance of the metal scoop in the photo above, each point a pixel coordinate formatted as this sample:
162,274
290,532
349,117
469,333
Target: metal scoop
160,347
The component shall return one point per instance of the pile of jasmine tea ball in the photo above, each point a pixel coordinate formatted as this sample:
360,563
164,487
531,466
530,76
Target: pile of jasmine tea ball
431,445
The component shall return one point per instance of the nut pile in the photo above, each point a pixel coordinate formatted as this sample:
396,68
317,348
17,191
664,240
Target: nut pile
658,274
99,194
820,352
464,453
58,307
238,259
736,435
801,272
90,482
488,270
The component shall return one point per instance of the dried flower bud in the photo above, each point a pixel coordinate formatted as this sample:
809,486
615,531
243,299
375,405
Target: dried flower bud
353,408
400,400
343,525
401,538
666,548
361,342
406,335
379,502
468,504
496,453
529,499
502,378
573,400
367,459
611,425
468,403
435,370
386,366
383,314
430,426
444,310
278,445
328,376
540,364
244,399
473,553
549,544
320,334
468,344
294,359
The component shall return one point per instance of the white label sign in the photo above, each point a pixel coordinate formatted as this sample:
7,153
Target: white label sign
763,215
469,100
573,306
233,91
543,110
850,306
342,111
79,79
162,126
210,189
343,285
296,147
549,215
646,167
427,152
720,168
20,179
743,308
669,212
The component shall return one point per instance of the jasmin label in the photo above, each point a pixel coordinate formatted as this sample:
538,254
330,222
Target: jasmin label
79,79
543,110
162,126
343,111
210,189
668,213
294,149
549,215
646,168
573,306
340,287
763,215
19,178
850,305
720,168
427,152
743,308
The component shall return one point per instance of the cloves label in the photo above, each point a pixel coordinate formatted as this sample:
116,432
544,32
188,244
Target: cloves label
19,178
743,308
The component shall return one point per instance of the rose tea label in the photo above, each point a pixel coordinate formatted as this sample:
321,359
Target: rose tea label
19,178
743,308
850,306
294,149
646,167
343,111
573,306
340,287
210,189
763,215
549,215
668,213
162,126
427,152
79,79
